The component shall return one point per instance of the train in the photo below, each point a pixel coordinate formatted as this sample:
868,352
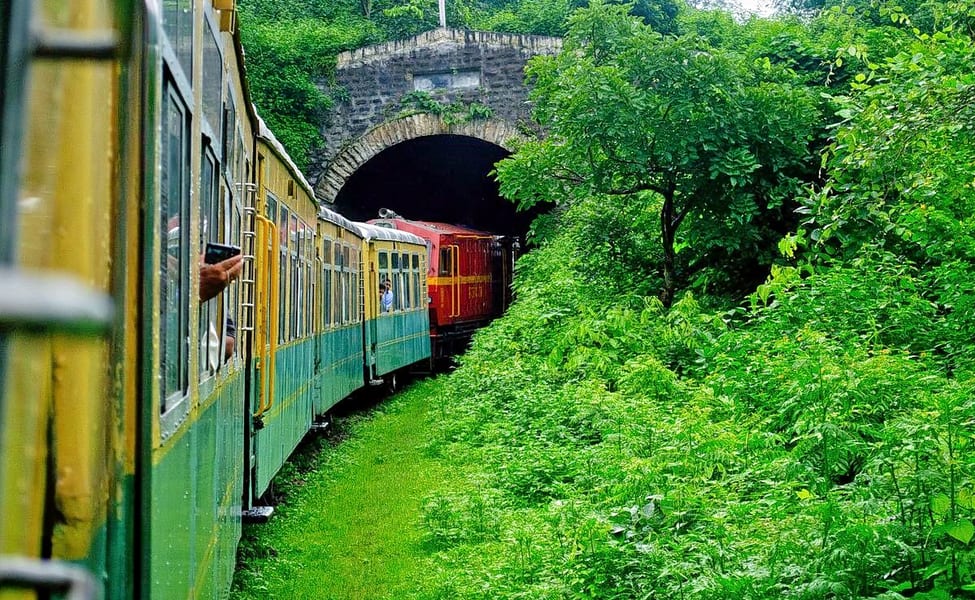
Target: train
469,277
141,419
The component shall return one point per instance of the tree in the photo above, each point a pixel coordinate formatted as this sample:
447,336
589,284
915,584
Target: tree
723,141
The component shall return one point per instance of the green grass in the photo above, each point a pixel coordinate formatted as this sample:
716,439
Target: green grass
349,526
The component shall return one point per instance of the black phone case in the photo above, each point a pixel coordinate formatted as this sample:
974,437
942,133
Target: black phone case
219,252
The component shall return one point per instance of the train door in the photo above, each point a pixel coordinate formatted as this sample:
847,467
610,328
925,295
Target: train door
375,281
266,330
450,275
57,467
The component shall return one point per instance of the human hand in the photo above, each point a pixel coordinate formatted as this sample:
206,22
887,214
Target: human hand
216,277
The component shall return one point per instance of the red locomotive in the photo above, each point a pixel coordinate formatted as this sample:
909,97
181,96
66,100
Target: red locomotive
468,278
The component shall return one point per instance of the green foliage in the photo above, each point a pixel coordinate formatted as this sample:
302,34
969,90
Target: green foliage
724,141
815,442
455,112
537,17
285,62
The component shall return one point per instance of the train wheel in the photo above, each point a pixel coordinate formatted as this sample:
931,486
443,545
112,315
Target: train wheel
391,383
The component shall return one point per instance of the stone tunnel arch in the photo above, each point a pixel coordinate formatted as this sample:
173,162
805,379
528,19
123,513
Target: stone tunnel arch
358,152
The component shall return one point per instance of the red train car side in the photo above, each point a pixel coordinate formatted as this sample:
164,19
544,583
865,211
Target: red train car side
469,278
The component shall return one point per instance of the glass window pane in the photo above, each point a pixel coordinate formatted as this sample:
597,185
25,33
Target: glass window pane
178,22
212,85
174,266
209,232
445,261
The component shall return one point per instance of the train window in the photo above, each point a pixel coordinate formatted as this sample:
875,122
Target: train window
395,261
307,306
383,269
174,265
337,286
327,281
229,130
405,282
347,286
272,208
283,278
209,333
233,301
446,263
178,23
295,282
298,259
415,281
416,289
354,268
212,83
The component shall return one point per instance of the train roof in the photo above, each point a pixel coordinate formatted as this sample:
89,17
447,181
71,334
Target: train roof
431,226
331,216
373,232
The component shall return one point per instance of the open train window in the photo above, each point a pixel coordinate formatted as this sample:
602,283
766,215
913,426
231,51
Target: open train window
211,331
174,285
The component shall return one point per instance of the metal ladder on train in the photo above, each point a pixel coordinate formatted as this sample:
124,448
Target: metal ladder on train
248,246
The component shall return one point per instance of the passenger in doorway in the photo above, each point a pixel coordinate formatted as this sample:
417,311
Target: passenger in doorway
386,297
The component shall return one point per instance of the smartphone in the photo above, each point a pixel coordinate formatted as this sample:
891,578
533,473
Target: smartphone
219,252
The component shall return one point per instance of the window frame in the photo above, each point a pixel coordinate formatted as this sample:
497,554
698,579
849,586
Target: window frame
172,99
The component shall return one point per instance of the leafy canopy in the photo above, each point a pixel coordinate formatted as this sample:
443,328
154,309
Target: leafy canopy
723,140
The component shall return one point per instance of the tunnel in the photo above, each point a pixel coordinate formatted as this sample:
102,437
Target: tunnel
443,178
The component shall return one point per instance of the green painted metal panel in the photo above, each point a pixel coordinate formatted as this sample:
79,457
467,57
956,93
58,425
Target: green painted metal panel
195,502
402,338
290,417
340,357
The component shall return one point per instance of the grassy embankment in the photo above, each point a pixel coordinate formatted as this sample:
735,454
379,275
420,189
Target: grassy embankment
349,525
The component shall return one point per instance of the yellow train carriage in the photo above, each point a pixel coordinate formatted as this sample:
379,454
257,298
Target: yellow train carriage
396,314
283,386
67,233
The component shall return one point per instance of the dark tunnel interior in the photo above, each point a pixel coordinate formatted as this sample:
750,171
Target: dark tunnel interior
441,178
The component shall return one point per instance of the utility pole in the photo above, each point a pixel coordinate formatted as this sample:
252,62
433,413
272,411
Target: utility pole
443,13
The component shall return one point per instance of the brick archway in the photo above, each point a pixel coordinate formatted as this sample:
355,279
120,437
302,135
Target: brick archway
386,135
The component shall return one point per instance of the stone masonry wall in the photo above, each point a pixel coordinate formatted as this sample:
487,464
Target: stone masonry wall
453,65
